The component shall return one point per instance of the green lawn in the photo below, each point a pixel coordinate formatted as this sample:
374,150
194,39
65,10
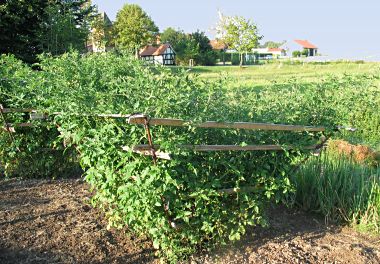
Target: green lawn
281,72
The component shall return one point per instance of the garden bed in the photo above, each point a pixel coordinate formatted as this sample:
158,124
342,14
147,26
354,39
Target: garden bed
52,222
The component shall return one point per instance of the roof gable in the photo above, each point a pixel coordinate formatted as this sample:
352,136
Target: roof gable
155,51
217,45
305,44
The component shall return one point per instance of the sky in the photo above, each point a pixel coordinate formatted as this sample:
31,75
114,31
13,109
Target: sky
340,28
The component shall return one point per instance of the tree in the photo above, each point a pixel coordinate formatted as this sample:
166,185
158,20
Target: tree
66,26
134,28
102,33
296,54
204,52
28,28
194,46
238,33
273,44
20,26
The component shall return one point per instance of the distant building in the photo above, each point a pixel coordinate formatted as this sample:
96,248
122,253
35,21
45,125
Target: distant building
306,45
301,45
218,45
221,48
269,53
163,54
100,37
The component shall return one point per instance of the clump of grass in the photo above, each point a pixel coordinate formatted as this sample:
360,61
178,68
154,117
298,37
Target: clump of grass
340,189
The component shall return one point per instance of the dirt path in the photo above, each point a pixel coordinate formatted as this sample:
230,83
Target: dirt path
51,222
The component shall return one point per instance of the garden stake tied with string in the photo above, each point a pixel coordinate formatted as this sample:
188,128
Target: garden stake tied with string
148,133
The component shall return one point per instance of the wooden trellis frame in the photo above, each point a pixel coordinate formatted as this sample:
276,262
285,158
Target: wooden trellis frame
151,149
154,150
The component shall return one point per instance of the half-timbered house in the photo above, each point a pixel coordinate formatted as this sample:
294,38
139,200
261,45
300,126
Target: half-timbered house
163,54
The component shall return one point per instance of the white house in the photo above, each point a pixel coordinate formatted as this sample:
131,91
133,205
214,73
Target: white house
300,45
163,54
269,53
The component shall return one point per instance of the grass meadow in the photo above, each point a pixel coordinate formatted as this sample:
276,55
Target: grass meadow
279,72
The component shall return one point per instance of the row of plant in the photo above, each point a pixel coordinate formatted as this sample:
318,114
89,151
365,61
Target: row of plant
340,188
179,203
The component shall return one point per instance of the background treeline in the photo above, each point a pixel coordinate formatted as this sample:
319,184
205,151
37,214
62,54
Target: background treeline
29,28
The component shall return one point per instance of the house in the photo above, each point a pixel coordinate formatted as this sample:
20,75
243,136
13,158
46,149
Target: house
306,45
269,53
277,52
218,45
101,35
163,54
221,48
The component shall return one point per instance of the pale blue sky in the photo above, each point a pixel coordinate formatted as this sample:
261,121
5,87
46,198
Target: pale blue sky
340,28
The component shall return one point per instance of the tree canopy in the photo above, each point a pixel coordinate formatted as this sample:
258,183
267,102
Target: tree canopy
273,44
238,33
134,28
28,28
194,46
20,25
67,26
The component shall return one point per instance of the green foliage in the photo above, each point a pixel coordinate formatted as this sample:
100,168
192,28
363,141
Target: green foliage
239,34
134,28
178,203
28,28
272,44
66,27
341,190
305,52
20,24
194,46
102,35
296,54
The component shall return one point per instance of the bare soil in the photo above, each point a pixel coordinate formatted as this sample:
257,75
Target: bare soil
52,222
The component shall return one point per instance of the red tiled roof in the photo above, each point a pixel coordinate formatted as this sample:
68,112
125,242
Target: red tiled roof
275,49
148,50
217,45
306,44
154,51
161,49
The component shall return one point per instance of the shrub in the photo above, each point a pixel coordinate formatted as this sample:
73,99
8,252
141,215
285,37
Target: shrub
190,201
296,54
181,204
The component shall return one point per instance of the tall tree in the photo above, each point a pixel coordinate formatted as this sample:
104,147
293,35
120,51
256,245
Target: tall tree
273,44
238,33
28,28
194,46
134,28
204,52
20,26
66,26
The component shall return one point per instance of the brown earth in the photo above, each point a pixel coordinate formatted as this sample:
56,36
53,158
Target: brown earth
358,153
51,222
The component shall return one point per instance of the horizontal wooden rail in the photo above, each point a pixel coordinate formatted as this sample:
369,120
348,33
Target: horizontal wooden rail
18,110
140,119
11,127
20,125
206,148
